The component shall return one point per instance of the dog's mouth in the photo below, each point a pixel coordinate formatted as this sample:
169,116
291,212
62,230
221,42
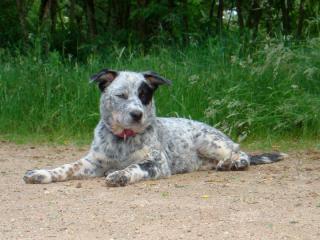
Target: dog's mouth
126,133
124,130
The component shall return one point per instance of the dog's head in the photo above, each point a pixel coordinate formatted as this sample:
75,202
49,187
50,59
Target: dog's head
126,104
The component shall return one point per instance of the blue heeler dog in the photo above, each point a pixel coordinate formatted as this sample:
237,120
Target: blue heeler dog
131,144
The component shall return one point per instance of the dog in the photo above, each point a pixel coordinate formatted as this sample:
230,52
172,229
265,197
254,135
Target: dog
131,144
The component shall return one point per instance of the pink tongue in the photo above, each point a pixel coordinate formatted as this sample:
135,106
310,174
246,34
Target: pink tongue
126,133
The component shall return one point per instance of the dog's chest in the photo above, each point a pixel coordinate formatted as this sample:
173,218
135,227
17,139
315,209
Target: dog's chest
121,153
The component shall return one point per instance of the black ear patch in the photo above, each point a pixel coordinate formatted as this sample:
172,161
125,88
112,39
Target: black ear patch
155,79
145,93
104,78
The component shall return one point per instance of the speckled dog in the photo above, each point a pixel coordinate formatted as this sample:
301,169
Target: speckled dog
131,144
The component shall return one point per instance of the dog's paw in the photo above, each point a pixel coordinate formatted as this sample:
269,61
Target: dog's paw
37,176
241,164
224,165
117,179
237,165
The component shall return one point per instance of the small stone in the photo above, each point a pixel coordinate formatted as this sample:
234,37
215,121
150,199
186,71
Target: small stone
293,222
79,185
204,196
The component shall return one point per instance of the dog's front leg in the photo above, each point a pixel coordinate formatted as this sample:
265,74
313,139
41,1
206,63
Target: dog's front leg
89,166
153,167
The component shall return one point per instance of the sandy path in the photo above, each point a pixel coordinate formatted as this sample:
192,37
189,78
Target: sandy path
278,201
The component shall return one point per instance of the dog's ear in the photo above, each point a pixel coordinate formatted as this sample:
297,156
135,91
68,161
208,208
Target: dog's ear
155,79
104,78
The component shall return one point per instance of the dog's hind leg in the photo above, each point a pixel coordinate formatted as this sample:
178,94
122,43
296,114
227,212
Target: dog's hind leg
214,145
85,167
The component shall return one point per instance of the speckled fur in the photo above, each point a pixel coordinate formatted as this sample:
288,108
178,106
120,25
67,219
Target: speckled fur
161,147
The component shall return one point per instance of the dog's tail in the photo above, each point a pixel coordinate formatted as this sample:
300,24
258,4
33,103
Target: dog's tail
265,158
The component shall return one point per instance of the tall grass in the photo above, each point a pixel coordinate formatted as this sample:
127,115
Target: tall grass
274,89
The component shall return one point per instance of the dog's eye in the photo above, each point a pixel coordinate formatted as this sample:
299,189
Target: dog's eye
122,95
145,93
142,95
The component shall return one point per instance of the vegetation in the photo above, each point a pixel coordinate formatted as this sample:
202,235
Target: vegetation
78,27
250,68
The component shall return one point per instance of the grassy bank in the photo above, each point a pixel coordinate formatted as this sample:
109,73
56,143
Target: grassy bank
272,91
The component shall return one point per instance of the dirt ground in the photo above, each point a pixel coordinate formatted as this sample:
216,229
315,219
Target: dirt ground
277,201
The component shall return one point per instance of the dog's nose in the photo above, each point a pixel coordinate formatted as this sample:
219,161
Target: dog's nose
136,115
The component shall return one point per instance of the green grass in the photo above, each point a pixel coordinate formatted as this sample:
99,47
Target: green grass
272,92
